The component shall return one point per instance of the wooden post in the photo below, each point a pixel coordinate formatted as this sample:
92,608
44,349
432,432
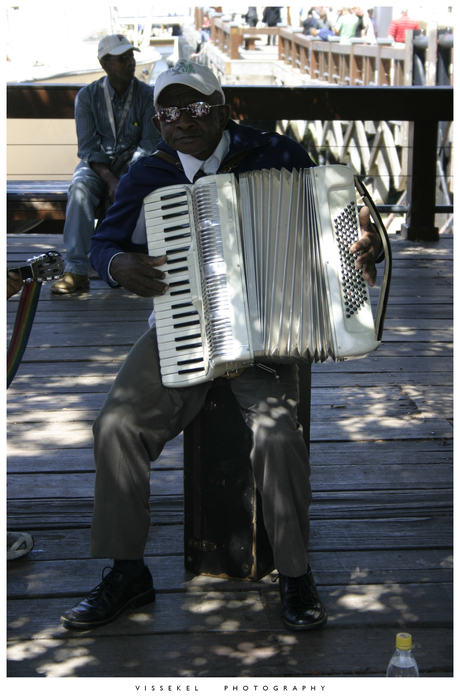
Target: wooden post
213,35
345,65
384,66
327,64
408,77
314,62
282,43
285,49
421,184
356,69
304,53
235,41
198,18
334,64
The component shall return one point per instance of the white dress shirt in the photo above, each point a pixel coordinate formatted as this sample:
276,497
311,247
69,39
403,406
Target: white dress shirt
210,166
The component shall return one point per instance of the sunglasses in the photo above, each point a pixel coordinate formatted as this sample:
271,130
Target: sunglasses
123,58
195,110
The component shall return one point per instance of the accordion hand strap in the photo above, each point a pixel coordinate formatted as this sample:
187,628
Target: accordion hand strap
385,289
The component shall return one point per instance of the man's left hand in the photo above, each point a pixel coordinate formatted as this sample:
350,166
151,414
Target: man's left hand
368,247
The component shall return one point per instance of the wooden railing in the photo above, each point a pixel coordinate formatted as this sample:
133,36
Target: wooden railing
359,63
355,64
229,36
423,107
345,64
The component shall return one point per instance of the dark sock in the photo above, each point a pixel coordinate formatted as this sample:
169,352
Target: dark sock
129,567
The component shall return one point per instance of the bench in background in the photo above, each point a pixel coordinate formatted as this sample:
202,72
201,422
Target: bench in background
38,200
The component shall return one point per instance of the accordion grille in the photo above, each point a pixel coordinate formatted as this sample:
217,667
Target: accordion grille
216,302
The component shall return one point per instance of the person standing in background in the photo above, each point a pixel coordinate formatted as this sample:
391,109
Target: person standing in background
271,17
398,27
370,35
251,17
346,25
359,13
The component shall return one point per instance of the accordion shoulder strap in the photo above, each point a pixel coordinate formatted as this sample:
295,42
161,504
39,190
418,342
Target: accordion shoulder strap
233,162
168,158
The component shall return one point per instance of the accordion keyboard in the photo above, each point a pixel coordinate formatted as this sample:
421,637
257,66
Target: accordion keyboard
201,321
177,320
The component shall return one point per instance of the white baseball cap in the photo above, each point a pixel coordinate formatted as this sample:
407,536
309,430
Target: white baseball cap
185,72
115,44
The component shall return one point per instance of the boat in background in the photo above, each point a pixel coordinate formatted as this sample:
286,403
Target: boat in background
44,73
80,66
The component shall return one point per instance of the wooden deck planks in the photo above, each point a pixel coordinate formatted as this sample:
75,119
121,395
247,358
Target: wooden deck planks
209,653
258,610
381,543
382,558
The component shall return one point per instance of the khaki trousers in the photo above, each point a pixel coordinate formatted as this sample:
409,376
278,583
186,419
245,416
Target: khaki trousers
140,416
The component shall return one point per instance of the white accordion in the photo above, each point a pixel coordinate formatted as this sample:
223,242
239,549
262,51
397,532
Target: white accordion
259,271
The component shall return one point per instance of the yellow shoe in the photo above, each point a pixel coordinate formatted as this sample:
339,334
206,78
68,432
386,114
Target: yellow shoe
69,283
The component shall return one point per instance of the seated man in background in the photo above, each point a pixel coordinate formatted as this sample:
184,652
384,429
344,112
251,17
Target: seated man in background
114,128
141,415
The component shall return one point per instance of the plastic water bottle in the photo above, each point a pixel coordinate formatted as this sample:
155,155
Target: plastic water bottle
402,663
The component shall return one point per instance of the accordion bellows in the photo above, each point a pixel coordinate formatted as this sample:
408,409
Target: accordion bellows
260,271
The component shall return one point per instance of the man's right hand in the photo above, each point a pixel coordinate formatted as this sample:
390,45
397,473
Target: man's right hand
137,273
112,185
107,177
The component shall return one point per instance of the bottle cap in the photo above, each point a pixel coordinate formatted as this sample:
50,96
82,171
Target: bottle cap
403,641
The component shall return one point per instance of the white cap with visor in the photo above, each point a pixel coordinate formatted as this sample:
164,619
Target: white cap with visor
198,77
114,45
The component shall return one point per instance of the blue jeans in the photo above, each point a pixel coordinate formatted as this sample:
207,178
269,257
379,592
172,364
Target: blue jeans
85,191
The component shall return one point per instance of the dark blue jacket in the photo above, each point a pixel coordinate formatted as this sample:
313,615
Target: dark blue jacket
250,150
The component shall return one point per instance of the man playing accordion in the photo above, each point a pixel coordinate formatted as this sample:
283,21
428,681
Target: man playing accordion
140,415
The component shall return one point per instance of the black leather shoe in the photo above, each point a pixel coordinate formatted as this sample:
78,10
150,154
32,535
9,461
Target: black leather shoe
302,607
109,599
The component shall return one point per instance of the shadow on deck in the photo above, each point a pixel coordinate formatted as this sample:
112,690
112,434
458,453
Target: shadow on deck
381,548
